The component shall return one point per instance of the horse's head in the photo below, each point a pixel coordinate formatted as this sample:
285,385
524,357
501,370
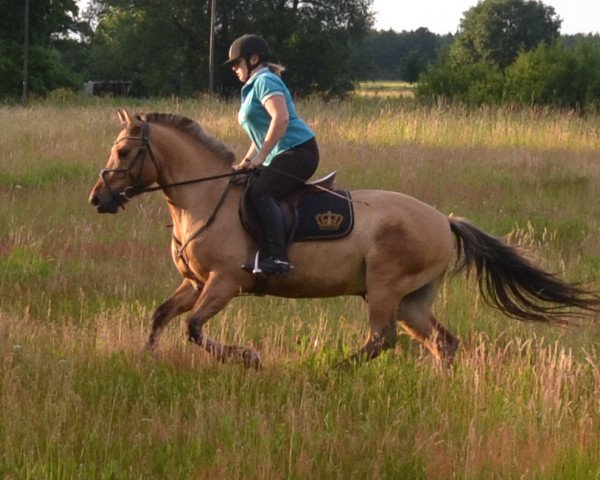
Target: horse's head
131,166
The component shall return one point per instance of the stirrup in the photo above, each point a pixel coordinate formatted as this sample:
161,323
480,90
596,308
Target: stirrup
268,266
275,266
253,267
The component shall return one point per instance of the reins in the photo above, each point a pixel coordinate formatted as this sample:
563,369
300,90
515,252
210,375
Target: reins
135,189
186,182
208,223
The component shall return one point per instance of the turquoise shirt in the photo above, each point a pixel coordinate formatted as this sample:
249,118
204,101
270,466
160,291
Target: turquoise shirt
255,119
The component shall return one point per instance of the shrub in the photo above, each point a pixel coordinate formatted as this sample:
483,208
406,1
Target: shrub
475,83
556,75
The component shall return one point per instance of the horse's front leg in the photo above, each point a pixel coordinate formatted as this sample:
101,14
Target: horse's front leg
217,292
182,300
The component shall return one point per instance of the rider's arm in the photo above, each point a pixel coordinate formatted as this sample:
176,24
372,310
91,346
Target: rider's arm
280,118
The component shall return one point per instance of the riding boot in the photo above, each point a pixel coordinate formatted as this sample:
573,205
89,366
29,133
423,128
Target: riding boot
273,228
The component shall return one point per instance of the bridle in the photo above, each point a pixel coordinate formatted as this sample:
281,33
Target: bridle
136,187
140,157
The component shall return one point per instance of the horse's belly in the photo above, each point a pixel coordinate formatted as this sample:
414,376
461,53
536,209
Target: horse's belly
323,269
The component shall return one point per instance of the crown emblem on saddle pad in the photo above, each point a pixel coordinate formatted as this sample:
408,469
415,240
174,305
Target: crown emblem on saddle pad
329,220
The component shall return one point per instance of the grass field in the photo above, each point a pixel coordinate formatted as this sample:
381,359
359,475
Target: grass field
79,399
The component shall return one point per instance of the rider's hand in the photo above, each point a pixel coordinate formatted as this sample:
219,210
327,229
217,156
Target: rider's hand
257,161
245,164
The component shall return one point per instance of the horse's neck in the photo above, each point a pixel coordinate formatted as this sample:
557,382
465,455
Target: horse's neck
184,160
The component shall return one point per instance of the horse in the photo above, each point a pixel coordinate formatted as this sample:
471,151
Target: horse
396,257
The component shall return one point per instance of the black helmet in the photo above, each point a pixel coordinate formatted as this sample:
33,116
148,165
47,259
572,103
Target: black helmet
248,45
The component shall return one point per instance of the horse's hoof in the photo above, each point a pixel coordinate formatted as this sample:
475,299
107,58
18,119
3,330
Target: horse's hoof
251,359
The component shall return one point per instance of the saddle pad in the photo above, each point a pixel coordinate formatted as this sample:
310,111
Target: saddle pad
322,215
316,216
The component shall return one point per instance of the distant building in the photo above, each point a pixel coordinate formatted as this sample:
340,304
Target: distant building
112,88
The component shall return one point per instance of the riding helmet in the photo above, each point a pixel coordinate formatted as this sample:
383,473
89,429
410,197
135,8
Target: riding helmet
248,45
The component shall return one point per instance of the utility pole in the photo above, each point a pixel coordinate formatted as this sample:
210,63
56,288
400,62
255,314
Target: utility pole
211,53
25,55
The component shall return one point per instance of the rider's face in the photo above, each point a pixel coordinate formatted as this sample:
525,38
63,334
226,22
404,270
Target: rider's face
240,68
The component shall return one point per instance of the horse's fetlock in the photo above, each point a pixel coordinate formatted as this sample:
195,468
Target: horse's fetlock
195,333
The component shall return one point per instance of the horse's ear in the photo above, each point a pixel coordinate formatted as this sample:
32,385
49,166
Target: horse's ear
125,117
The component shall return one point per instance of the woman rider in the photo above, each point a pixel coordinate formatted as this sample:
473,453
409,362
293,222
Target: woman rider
283,150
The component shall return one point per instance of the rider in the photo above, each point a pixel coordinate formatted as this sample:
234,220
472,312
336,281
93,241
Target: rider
283,151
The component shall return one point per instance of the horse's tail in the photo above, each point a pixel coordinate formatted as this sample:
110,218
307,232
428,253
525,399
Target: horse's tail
512,284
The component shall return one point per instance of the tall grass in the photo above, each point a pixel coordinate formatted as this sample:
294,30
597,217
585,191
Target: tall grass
79,398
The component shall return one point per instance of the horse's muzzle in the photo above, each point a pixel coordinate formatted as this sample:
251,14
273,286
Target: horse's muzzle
105,201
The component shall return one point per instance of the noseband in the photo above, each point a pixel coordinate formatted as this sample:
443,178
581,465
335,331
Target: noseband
140,157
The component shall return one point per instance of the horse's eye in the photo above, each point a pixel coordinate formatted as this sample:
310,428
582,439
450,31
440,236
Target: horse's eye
123,153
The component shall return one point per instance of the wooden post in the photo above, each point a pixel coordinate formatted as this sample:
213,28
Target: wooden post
211,54
25,55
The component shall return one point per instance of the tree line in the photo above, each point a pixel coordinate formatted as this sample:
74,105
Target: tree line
504,51
511,52
163,47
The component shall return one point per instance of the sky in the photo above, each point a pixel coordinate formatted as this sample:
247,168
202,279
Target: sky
443,16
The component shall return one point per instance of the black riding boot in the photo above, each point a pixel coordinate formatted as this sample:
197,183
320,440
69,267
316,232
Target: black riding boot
273,227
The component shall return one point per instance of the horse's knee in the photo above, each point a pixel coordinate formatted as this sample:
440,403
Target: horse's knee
182,300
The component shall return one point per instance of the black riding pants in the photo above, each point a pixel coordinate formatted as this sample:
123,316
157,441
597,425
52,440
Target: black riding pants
287,172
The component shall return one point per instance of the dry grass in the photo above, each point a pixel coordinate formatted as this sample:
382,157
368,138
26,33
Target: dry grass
79,399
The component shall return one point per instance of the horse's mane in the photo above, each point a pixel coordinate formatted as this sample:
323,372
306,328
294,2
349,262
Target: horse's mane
190,127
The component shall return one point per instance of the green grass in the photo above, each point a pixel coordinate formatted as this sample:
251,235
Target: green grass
80,399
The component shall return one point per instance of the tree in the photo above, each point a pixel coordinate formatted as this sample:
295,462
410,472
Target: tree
390,55
492,35
556,75
49,22
496,31
163,46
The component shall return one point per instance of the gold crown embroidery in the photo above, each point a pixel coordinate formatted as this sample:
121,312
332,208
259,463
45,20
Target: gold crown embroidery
329,220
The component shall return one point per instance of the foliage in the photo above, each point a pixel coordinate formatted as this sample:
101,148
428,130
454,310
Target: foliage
390,55
49,22
163,46
476,83
556,75
495,31
550,75
507,51
571,40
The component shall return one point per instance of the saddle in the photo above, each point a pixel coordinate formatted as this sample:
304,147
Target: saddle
314,212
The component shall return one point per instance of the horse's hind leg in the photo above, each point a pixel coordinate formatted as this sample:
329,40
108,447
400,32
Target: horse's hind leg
382,331
182,300
416,318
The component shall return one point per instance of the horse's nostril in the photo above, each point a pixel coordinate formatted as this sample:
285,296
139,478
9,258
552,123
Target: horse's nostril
94,200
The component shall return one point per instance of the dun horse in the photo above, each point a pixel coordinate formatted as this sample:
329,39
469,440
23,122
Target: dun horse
395,257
